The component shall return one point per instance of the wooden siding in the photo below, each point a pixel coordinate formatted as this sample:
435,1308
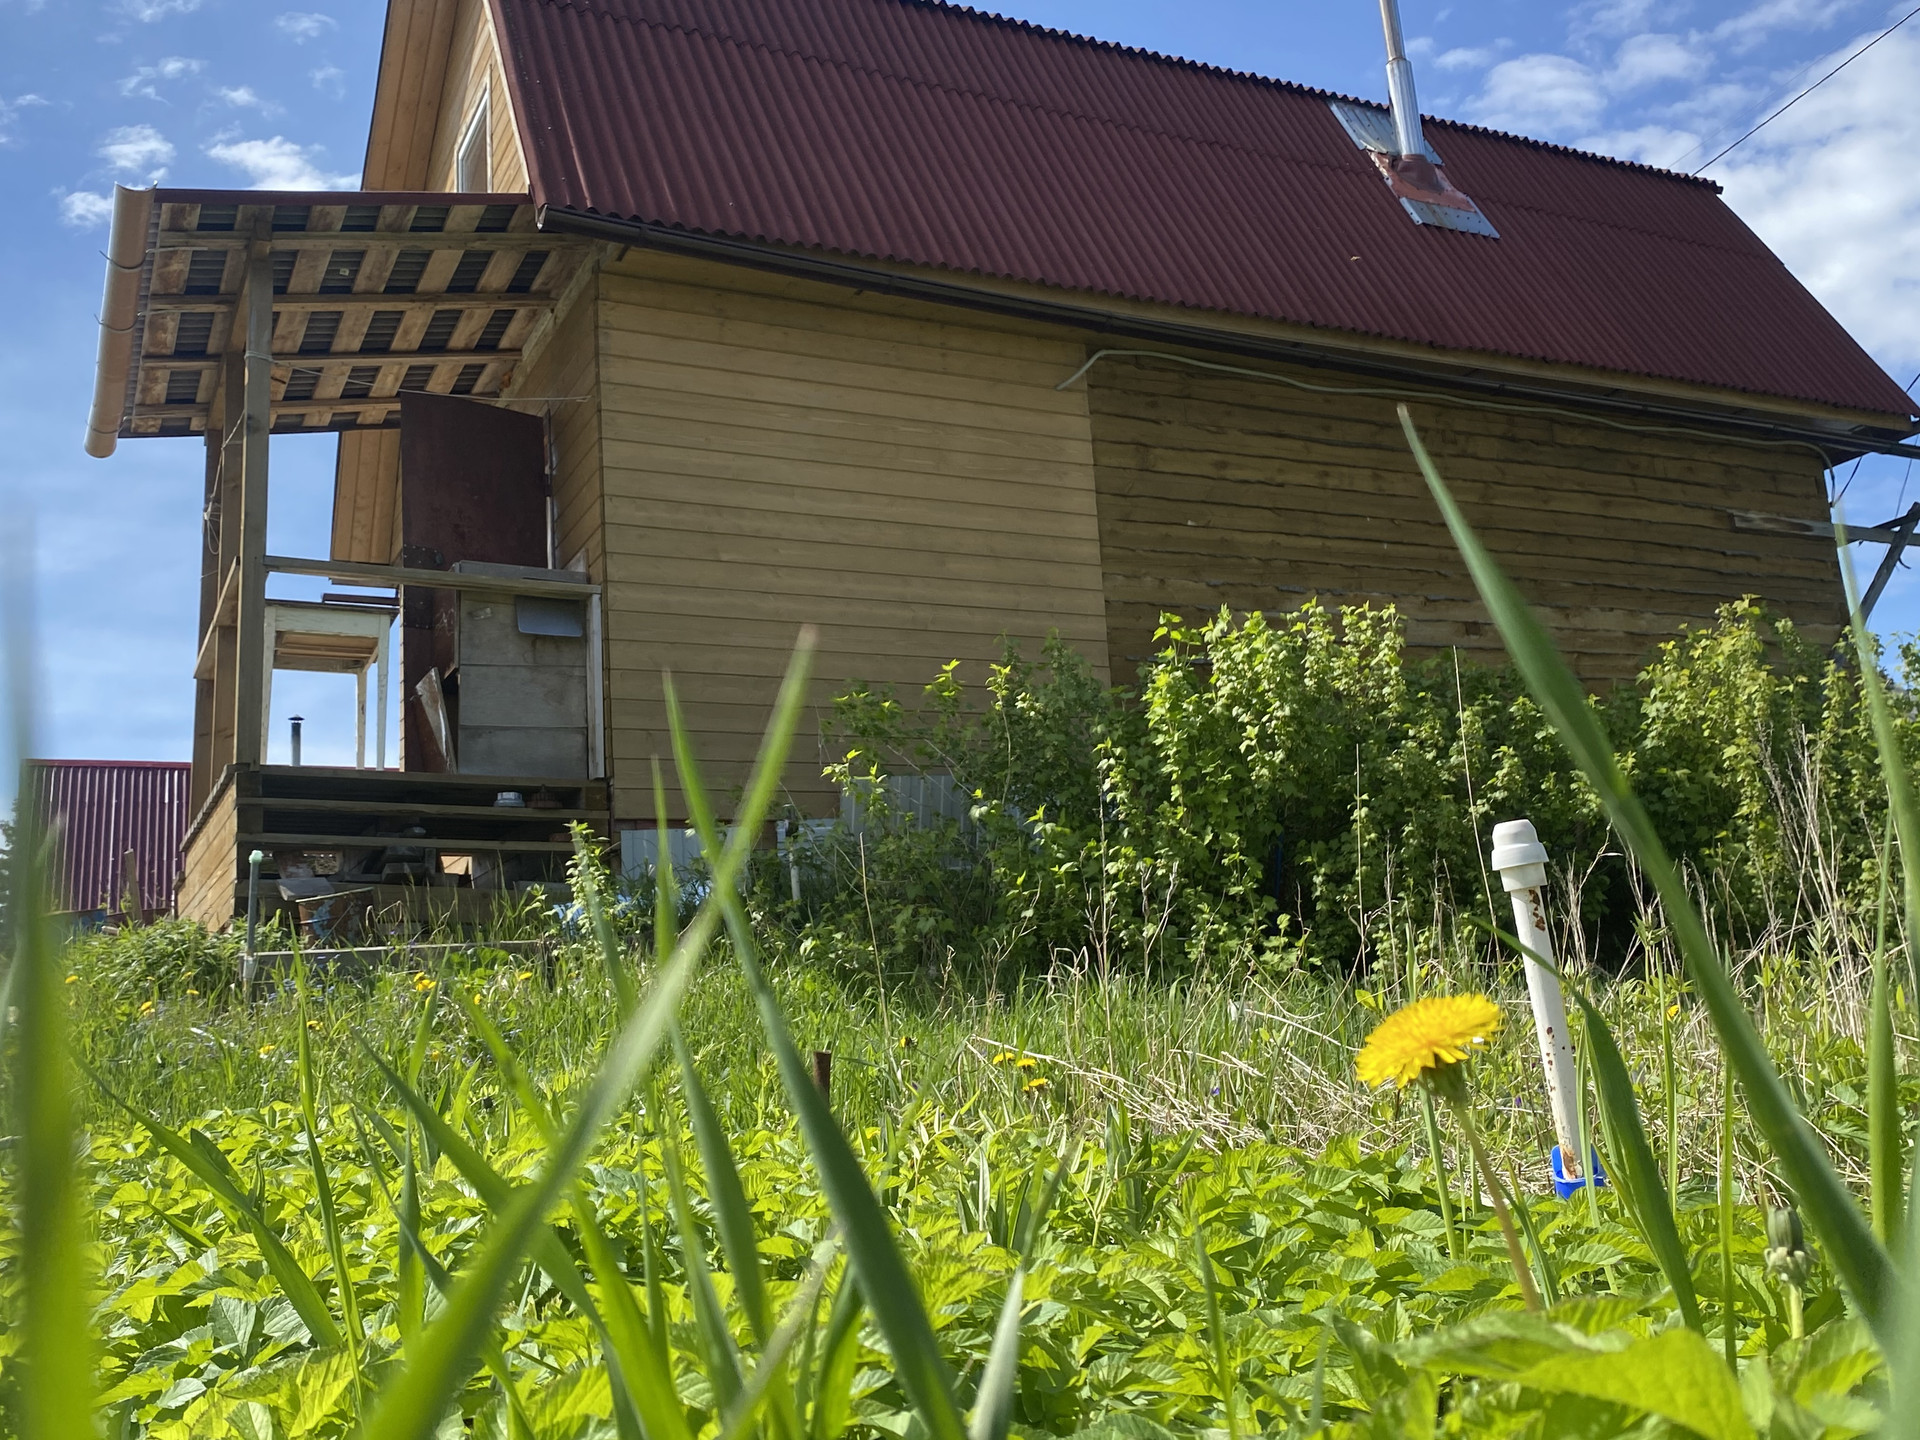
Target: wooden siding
778,454
1216,490
473,70
561,379
209,871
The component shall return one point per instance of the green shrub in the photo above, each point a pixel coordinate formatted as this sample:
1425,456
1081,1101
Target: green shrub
1299,788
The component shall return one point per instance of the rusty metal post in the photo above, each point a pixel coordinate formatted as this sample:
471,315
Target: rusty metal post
823,1073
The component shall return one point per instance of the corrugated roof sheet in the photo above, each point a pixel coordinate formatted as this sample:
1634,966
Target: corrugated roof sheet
105,808
928,134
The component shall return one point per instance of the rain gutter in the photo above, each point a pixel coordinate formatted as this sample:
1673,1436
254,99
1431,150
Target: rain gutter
119,316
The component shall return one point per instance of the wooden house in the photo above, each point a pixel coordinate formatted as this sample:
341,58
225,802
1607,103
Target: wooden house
668,325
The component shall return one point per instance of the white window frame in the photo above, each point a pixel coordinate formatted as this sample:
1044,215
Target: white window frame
477,136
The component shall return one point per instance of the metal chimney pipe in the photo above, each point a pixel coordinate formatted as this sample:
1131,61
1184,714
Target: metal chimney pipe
295,745
1400,93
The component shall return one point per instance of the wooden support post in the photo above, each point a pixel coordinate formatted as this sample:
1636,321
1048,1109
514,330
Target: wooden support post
823,1073
249,699
200,782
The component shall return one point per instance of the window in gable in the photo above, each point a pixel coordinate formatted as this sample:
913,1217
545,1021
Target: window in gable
473,169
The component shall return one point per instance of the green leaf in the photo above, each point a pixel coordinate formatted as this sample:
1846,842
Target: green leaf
1856,1256
839,1352
1675,1375
1633,1157
204,1159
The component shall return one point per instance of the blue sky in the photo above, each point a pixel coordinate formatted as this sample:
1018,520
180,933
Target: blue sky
221,92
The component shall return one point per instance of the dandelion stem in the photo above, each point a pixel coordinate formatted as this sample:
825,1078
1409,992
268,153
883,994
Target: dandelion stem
1522,1272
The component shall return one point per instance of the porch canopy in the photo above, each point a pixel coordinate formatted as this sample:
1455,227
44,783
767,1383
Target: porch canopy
239,315
372,293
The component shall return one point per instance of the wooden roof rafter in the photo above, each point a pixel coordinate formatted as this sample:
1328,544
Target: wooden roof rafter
375,293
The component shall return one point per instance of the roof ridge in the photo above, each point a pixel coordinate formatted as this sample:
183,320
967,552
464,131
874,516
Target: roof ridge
993,17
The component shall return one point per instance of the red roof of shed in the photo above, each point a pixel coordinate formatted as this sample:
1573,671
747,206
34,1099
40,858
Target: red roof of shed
105,808
928,134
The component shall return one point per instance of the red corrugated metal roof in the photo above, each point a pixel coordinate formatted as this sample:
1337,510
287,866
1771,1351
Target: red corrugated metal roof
927,134
105,808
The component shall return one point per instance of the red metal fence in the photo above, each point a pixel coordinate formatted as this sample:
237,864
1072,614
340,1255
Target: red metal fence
98,810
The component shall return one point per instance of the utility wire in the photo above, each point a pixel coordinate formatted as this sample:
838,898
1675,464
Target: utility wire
1810,89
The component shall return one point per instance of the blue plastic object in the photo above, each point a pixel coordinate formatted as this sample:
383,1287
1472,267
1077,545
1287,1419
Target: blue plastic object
1563,1187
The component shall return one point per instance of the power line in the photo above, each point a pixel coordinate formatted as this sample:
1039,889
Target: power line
1811,88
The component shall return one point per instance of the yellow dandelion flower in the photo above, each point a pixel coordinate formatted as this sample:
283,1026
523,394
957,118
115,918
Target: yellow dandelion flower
1038,1082
266,1050
1003,1057
313,1024
194,993
1025,1062
1673,1010
71,979
147,1008
423,983
524,975
1424,1038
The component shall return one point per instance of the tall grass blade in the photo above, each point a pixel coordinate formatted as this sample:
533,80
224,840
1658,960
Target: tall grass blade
739,1239
322,1182
885,1282
839,1351
1217,1335
1729,1313
1858,1258
768,1380
412,1405
56,1383
993,1406
1885,1166
722,1355
1902,804
645,1368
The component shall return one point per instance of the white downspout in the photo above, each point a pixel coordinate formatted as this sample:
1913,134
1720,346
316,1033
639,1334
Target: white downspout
1400,93
126,254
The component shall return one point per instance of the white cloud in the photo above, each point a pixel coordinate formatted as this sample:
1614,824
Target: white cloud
279,164
305,25
329,80
145,81
1463,58
242,97
10,114
1656,145
84,210
1610,19
1548,95
1824,186
137,149
1754,25
1652,59
148,11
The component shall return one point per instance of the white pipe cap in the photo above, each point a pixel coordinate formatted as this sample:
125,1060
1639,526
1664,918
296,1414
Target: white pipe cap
1515,844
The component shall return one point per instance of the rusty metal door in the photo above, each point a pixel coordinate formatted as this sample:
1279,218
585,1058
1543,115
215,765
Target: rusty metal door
473,486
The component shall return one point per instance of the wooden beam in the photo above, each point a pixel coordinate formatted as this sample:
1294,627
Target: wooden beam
220,619
411,300
438,579
295,360
249,719
307,240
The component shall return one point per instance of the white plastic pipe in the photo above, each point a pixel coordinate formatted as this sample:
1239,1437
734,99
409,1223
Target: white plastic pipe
1522,862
